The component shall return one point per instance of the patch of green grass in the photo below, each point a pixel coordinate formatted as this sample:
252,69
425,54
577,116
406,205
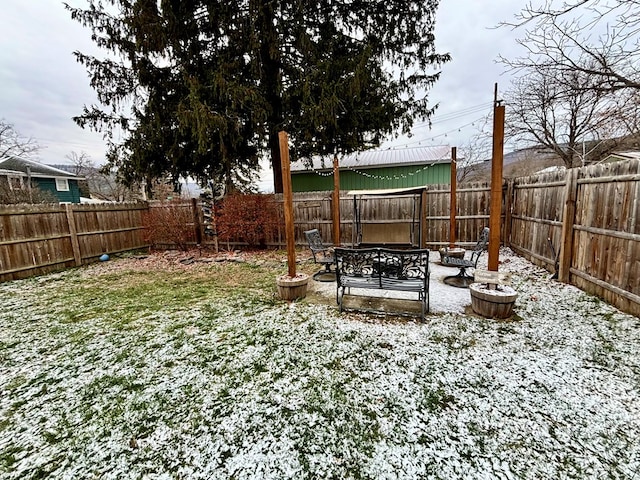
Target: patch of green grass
8,456
436,400
16,382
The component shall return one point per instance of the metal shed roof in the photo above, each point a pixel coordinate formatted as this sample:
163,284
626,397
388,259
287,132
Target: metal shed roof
391,157
38,169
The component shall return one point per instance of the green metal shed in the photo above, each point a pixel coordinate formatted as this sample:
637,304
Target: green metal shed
376,169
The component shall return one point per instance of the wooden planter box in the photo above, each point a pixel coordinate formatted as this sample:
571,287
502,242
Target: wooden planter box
292,288
492,303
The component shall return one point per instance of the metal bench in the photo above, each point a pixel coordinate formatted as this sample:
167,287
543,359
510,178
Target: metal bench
383,269
322,255
463,279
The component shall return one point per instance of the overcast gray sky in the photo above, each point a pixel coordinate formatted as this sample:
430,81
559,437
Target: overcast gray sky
42,86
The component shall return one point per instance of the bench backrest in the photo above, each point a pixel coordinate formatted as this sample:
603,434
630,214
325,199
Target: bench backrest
383,264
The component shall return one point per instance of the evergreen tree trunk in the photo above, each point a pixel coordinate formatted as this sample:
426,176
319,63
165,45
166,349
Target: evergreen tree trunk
271,83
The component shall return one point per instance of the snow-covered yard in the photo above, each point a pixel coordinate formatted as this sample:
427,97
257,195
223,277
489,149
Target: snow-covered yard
127,369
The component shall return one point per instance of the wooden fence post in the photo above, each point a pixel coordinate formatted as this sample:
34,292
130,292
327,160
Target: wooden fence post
73,233
453,200
495,209
423,218
568,221
508,205
335,206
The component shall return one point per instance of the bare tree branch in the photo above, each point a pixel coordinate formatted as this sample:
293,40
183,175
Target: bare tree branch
598,38
560,112
13,144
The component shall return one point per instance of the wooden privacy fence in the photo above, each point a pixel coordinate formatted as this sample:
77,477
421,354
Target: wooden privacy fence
37,239
313,210
589,216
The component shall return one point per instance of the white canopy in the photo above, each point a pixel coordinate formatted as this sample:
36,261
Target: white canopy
388,191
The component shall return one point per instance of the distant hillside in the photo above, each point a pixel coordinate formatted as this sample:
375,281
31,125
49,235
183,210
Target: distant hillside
528,161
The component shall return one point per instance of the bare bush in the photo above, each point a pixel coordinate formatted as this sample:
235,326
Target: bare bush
169,223
10,196
252,219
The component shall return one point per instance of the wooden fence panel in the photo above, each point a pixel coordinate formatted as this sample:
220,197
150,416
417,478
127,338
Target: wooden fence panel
472,214
37,239
606,259
437,216
311,211
474,202
34,239
536,216
109,228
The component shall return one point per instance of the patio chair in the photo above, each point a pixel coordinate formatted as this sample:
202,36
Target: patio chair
322,255
463,279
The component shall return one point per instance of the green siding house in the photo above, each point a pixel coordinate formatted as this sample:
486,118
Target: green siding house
376,169
18,172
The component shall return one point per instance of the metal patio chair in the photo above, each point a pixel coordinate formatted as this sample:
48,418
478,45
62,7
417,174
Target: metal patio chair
463,279
322,254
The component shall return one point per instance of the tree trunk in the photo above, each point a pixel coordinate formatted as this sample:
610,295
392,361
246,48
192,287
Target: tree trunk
276,162
271,81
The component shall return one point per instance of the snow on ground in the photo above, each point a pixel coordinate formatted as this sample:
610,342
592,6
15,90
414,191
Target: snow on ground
246,387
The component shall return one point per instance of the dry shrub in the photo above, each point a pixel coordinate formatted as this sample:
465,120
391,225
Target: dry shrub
169,224
10,196
252,219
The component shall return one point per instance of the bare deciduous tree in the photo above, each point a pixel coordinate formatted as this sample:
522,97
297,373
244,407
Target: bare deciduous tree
559,112
475,153
600,38
102,182
13,144
82,163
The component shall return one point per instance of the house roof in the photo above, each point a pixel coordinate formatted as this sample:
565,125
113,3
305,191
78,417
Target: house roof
379,158
625,155
19,165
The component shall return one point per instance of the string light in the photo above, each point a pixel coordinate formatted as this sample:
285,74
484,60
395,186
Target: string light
401,176
329,173
455,115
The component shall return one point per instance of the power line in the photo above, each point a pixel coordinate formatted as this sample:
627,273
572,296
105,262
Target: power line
431,138
455,114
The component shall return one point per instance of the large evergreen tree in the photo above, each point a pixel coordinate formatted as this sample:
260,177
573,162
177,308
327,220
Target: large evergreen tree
202,87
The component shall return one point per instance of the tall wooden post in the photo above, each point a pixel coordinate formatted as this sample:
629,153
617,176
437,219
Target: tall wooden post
287,192
453,204
335,204
496,183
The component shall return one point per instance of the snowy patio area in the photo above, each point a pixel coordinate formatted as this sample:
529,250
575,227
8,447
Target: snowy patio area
443,298
122,370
